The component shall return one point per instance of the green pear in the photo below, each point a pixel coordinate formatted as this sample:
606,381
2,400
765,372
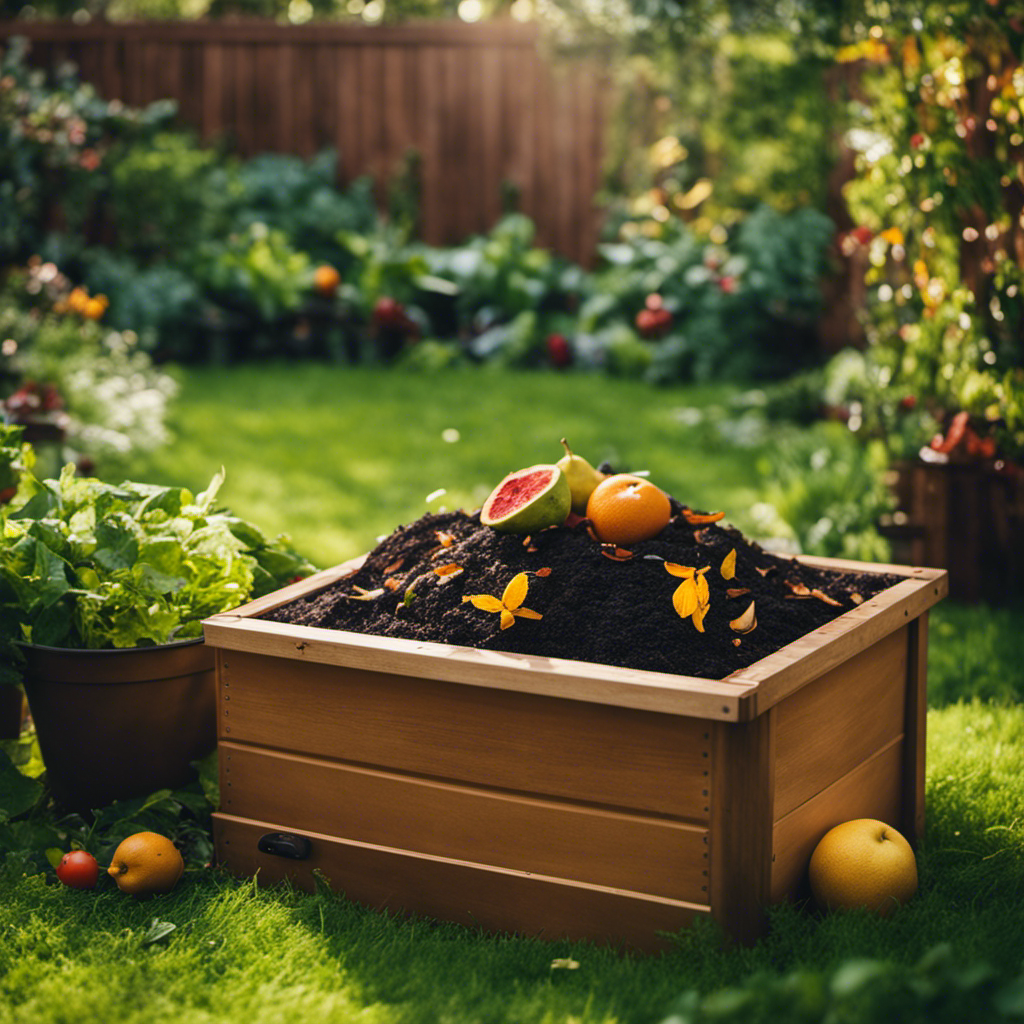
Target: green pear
582,477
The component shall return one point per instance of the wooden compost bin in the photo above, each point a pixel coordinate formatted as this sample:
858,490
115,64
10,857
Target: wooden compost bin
561,798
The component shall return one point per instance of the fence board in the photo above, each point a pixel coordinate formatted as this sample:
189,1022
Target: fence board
478,102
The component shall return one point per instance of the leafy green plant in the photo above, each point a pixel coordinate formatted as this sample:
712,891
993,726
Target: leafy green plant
256,270
91,565
168,194
829,489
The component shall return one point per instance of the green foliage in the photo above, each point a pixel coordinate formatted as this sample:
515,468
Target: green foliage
829,489
168,195
255,270
56,138
90,565
301,199
937,186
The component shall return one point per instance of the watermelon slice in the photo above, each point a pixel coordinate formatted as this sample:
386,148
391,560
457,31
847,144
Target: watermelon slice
528,500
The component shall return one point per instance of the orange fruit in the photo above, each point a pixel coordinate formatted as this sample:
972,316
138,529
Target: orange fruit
95,308
326,280
145,863
625,509
863,863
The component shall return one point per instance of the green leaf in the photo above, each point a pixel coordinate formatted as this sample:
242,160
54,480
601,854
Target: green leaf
54,855
18,793
52,625
209,776
157,930
52,581
117,545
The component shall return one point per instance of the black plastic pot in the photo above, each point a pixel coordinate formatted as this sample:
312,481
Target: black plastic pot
116,724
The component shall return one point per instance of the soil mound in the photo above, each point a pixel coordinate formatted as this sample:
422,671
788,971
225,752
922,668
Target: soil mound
594,607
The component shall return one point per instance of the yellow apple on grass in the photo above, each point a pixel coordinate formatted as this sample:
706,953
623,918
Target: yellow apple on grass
863,863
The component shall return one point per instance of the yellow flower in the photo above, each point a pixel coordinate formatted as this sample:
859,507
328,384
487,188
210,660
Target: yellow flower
510,606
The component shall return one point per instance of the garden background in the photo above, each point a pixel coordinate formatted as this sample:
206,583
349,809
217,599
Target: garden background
378,250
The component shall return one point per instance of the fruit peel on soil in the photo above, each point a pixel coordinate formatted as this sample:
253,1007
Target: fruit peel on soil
528,500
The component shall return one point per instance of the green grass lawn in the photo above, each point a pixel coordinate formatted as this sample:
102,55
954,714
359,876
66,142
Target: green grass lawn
334,457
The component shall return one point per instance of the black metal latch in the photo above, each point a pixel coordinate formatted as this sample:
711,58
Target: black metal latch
285,844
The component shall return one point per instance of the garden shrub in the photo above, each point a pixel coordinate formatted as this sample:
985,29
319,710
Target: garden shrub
167,195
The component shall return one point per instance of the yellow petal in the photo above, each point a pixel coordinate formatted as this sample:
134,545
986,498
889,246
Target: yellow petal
728,569
515,592
679,570
685,600
703,594
486,603
527,613
507,618
698,617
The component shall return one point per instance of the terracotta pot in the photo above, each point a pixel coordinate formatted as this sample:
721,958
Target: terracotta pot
115,724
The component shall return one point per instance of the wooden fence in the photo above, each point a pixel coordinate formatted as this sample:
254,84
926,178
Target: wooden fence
480,104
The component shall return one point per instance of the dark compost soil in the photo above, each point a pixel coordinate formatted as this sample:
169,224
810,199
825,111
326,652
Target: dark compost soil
594,608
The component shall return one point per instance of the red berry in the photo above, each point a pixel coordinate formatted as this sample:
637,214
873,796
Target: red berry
862,234
916,140
559,350
727,284
908,402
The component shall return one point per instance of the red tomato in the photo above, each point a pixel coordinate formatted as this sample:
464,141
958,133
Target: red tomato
78,869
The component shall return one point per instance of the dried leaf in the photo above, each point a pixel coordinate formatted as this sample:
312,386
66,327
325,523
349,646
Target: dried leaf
364,595
448,571
700,518
737,591
392,583
616,554
515,592
684,571
485,602
533,549
685,600
822,596
507,618
736,641
856,598
543,572
765,571
527,613
526,540
728,569
446,540
703,593
745,623
798,589
394,566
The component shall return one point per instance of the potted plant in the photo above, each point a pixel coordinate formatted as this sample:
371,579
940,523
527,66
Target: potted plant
102,590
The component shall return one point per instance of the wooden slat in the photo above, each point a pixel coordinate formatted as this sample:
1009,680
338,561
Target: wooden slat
586,752
478,896
796,664
587,844
831,725
916,709
742,796
871,790
213,92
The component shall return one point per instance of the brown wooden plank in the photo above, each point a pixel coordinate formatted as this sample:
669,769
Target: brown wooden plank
625,851
742,795
266,99
911,821
286,94
477,896
834,723
588,752
830,645
874,789
431,115
492,130
213,91
350,100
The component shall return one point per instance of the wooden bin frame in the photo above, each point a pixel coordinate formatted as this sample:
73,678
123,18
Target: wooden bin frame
599,803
